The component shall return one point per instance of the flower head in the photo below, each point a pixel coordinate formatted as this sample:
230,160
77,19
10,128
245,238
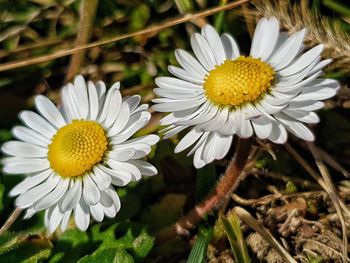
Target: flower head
219,93
73,155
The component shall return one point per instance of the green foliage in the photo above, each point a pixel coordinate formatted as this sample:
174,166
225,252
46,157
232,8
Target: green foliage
236,238
199,249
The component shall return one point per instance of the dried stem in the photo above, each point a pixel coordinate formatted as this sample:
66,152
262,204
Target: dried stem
87,17
10,220
149,30
332,194
225,186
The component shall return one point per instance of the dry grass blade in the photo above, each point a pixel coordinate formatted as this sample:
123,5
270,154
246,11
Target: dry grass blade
149,30
320,30
247,218
332,194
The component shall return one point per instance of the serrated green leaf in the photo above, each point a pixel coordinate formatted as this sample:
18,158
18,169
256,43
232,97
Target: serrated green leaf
199,250
108,255
142,245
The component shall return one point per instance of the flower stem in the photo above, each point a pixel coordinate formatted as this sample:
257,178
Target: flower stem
10,220
225,186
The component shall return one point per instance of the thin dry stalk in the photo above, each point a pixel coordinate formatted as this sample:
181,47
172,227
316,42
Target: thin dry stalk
147,31
332,194
294,17
87,17
10,220
314,175
247,218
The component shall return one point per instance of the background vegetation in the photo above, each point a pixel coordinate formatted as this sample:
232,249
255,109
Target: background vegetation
279,193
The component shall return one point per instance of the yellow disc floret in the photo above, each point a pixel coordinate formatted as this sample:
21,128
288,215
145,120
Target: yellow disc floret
238,81
77,147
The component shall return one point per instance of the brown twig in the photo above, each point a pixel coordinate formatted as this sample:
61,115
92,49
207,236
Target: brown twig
87,17
149,30
225,186
10,220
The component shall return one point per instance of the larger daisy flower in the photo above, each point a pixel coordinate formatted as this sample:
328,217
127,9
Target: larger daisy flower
73,155
220,93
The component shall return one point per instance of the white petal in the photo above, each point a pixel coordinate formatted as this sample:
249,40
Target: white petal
30,182
119,177
113,108
91,192
37,123
82,215
229,128
106,199
215,43
116,201
135,172
65,220
268,39
121,154
198,160
148,139
72,197
202,51
144,167
129,131
93,101
260,31
262,126
307,105
174,131
230,46
303,61
185,75
17,165
177,85
28,198
80,92
278,133
102,179
23,149
105,107
288,50
133,102
49,111
190,64
53,197
295,127
221,145
97,212
54,218
245,129
303,116
121,121
190,138
28,135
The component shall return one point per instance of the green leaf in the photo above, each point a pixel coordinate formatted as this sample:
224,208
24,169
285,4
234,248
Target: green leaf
72,245
24,248
108,255
205,181
199,250
235,237
142,245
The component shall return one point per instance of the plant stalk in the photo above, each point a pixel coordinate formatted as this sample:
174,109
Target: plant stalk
228,183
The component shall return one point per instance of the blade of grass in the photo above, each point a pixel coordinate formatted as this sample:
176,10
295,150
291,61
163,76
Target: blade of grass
247,218
199,250
235,237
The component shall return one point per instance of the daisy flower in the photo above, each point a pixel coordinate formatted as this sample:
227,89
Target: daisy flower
74,154
219,93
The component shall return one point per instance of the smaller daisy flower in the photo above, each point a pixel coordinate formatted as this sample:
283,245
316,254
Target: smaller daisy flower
73,155
219,93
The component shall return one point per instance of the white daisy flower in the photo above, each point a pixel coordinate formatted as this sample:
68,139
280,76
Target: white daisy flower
220,93
73,155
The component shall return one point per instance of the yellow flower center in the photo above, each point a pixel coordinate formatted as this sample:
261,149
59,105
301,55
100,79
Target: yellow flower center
77,147
238,81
